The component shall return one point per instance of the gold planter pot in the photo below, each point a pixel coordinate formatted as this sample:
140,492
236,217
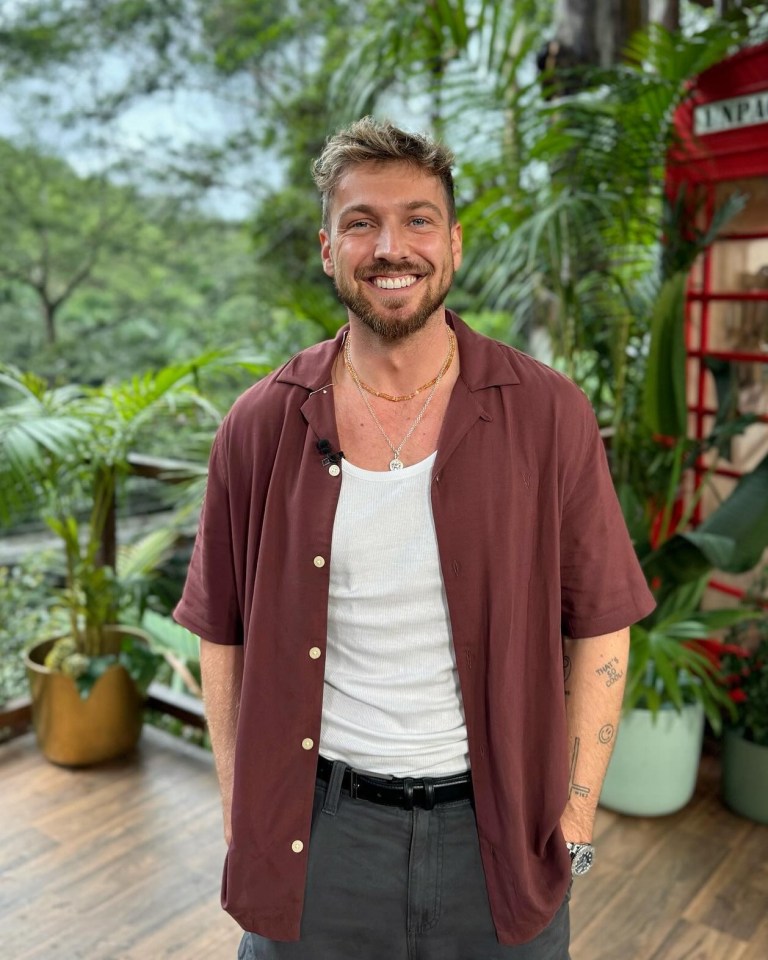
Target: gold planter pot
74,732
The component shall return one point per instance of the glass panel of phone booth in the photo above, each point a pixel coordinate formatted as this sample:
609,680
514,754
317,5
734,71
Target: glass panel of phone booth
754,217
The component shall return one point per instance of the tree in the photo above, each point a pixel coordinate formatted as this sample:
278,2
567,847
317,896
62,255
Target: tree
597,32
141,280
275,62
56,228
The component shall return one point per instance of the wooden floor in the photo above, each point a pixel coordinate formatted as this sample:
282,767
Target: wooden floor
691,886
120,862
123,863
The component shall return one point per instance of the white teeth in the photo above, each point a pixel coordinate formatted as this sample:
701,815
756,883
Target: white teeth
394,283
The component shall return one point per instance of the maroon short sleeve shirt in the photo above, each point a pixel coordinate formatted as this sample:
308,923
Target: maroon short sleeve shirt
532,546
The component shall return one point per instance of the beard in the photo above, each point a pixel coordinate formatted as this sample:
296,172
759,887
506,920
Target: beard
380,321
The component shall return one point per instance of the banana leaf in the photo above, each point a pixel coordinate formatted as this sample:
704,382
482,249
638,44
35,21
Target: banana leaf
664,407
732,538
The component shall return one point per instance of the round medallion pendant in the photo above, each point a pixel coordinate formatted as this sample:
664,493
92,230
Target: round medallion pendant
396,464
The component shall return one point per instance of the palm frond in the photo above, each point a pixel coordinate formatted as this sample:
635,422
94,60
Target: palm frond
144,556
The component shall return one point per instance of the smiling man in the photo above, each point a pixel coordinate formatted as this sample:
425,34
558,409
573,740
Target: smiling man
405,645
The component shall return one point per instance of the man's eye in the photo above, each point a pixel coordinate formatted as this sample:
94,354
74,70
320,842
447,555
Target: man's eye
418,221
358,224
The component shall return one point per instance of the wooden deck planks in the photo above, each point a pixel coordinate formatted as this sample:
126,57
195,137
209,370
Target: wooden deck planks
690,886
687,941
119,862
123,862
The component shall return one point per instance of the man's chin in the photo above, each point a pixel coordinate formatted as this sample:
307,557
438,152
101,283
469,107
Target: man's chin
392,328
392,323
396,317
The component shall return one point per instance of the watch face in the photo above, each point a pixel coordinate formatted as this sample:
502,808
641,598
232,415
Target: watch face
582,859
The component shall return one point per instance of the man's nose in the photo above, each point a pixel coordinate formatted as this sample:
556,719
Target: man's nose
391,243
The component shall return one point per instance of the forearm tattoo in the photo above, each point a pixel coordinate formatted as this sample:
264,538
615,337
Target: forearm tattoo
610,672
574,787
605,736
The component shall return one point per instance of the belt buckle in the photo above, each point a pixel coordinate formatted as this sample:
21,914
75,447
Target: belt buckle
354,784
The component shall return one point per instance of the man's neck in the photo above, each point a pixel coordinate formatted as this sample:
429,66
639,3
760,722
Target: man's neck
402,365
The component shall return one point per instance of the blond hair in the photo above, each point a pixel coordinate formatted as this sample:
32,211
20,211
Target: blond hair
378,141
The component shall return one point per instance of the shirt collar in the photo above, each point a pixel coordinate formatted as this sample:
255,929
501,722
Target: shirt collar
484,362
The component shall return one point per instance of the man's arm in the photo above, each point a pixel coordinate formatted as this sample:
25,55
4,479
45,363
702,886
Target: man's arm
221,666
595,672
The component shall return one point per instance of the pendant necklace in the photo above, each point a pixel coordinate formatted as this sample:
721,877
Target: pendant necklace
396,463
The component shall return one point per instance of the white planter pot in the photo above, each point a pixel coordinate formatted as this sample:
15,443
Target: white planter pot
655,762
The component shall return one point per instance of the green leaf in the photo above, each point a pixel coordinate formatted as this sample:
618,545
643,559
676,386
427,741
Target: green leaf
679,560
140,662
96,668
144,556
664,406
742,518
666,671
732,538
704,623
171,636
681,601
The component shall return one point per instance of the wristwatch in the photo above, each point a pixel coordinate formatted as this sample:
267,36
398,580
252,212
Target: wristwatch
582,857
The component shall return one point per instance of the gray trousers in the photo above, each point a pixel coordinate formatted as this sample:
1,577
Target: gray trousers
391,884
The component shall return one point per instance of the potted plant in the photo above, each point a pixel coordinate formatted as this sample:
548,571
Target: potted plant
745,742
673,685
64,456
673,682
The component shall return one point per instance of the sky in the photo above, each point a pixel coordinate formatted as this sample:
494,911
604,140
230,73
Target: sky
149,130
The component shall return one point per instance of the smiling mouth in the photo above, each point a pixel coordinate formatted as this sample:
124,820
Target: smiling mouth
394,283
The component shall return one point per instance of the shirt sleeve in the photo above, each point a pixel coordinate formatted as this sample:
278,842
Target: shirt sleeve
211,605
603,588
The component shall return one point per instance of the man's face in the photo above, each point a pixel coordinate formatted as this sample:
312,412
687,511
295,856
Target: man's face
390,246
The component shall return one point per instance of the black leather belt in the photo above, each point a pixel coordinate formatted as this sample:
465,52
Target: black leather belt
407,793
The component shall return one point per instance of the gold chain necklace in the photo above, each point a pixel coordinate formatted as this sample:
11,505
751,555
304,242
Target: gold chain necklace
396,463
406,396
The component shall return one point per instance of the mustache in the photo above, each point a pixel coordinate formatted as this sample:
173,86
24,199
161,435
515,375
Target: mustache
382,268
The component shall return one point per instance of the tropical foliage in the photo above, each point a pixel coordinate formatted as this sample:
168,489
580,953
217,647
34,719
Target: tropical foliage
25,616
746,672
64,453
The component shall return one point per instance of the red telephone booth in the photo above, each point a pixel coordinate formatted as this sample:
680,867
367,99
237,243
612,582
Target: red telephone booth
723,149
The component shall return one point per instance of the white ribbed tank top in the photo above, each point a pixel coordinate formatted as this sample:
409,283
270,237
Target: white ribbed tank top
391,703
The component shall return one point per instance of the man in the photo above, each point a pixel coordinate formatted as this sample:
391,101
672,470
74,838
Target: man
402,764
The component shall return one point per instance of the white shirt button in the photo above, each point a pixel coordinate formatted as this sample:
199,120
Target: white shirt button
319,561
334,469
307,743
315,653
297,846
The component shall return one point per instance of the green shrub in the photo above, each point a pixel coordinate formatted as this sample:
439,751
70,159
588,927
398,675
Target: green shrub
25,618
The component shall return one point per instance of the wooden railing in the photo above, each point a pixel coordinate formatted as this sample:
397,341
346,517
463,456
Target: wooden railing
16,715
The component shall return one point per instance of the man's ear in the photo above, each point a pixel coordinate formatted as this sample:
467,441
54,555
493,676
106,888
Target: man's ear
456,245
325,252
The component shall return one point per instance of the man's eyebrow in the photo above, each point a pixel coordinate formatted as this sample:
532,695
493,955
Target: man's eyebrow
356,208
367,210
421,204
